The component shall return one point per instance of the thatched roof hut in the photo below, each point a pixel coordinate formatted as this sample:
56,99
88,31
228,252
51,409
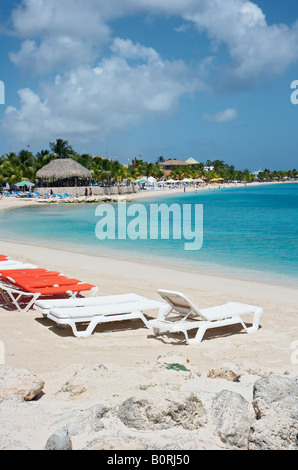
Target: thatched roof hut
63,168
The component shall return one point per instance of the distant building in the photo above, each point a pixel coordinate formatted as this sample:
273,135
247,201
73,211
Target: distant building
208,168
171,164
192,161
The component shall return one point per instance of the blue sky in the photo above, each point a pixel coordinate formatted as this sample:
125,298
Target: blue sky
208,79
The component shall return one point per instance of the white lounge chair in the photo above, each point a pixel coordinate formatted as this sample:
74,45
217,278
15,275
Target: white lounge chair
181,315
10,265
107,309
45,305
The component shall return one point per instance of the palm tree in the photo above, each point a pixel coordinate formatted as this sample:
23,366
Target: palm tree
61,148
43,158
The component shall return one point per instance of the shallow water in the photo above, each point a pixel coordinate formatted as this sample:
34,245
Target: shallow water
249,232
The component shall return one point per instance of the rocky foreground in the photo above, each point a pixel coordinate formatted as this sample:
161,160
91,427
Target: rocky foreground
173,407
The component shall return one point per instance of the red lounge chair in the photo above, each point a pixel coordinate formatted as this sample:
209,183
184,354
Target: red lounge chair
16,273
44,283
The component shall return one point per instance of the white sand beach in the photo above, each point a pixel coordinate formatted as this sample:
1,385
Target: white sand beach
129,351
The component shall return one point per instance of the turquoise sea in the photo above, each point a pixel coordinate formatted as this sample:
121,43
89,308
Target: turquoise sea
249,232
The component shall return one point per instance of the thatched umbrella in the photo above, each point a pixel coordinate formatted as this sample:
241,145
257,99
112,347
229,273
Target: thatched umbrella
63,168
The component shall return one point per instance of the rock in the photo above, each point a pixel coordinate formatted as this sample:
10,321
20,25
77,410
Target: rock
276,407
274,433
20,382
227,371
232,418
276,395
83,379
59,440
186,411
132,413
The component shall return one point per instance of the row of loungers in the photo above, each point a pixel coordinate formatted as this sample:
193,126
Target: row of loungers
55,296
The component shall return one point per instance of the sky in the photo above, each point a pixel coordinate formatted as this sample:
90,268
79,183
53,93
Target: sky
125,79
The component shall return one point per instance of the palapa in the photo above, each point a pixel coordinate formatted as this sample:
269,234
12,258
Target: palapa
62,168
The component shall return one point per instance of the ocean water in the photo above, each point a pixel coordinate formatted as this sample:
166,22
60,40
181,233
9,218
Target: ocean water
249,232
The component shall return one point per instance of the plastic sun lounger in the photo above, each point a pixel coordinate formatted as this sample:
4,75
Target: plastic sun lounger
45,305
41,281
10,294
7,262
45,280
31,273
10,264
108,309
18,283
181,315
14,293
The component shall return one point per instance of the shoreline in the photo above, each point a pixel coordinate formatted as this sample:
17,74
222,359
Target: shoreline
109,262
12,202
210,269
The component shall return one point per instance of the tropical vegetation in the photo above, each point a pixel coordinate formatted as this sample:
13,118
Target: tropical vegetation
15,167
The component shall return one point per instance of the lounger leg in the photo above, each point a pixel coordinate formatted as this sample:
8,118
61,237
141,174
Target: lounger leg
199,335
256,321
89,330
32,301
15,301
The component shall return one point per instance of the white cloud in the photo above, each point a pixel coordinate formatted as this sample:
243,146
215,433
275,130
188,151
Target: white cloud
256,49
100,100
62,33
59,35
97,95
62,53
228,115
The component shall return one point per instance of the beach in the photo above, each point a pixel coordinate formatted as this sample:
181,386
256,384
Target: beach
122,360
128,350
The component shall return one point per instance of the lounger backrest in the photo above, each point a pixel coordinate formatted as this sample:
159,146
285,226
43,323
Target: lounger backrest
178,301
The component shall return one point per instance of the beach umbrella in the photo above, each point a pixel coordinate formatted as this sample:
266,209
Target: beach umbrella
143,181
28,184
